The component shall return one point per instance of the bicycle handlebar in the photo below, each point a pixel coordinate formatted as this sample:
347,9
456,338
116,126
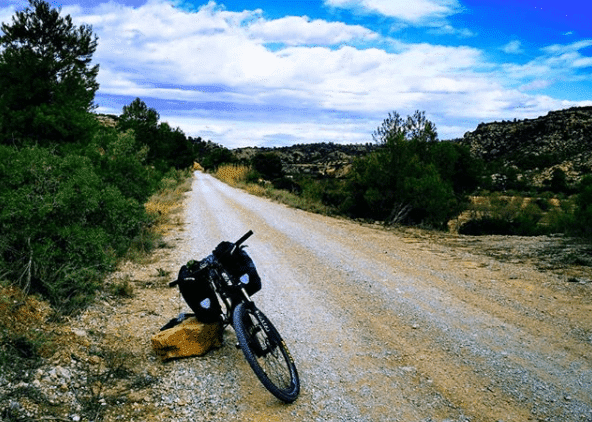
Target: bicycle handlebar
244,238
232,250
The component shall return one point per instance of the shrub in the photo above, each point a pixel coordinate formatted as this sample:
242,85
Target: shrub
62,225
583,212
516,215
268,165
22,342
401,183
121,161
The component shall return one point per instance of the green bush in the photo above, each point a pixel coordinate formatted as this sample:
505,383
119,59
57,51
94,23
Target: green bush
212,158
121,161
518,216
62,225
583,212
166,147
72,192
268,164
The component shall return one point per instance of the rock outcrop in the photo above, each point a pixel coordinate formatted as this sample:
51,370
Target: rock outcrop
560,140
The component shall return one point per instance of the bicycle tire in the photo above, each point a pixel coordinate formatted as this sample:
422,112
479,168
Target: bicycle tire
266,352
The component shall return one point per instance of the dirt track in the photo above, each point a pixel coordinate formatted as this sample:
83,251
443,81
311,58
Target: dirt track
384,326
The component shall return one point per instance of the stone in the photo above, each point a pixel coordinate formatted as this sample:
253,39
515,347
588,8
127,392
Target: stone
189,338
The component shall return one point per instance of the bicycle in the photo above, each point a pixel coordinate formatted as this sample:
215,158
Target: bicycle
263,347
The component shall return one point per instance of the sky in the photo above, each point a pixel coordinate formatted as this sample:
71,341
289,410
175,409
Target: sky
273,73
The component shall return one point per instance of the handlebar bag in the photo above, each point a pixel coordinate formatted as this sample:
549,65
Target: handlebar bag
198,294
238,264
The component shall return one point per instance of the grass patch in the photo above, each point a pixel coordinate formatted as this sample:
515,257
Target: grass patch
165,204
23,337
242,177
233,175
102,382
122,288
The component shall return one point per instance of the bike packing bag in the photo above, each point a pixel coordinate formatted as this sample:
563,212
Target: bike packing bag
196,290
238,264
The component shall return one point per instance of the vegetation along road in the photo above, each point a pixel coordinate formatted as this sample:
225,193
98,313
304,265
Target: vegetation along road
383,326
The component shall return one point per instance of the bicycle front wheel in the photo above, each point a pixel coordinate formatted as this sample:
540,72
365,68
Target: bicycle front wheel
266,352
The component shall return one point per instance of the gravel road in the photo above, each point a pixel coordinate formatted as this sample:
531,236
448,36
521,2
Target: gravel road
383,327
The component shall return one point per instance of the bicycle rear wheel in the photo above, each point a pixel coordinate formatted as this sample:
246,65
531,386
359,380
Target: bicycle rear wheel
266,352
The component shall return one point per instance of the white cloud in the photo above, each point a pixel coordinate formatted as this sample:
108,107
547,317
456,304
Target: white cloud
513,47
440,28
408,10
557,62
566,48
535,85
298,30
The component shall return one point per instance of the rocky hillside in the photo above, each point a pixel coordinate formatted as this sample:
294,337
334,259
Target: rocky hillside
561,139
534,147
322,159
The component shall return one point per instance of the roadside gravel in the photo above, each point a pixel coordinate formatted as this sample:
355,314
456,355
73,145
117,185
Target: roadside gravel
383,325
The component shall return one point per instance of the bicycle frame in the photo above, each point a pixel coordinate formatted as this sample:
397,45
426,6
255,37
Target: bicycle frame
222,283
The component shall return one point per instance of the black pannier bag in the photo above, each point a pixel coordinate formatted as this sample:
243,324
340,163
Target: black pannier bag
196,290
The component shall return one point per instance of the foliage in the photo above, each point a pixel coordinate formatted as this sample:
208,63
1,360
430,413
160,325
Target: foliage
22,343
62,225
558,182
161,208
583,213
508,216
411,179
415,127
268,165
233,174
519,215
211,155
167,147
121,161
328,191
46,80
72,190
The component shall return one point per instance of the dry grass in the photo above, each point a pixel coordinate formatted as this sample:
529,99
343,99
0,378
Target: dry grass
166,203
232,174
19,312
257,190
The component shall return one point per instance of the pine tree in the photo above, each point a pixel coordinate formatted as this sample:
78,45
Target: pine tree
47,83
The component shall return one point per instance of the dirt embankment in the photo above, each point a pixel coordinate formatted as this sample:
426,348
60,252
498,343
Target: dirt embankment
400,325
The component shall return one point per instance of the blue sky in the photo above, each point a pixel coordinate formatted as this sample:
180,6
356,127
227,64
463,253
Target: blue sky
273,73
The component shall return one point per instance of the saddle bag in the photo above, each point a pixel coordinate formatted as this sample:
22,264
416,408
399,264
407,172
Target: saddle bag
196,290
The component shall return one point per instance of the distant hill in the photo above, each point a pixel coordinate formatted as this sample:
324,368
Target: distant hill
536,147
319,159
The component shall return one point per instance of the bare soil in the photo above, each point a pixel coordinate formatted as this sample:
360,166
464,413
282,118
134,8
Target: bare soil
384,325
